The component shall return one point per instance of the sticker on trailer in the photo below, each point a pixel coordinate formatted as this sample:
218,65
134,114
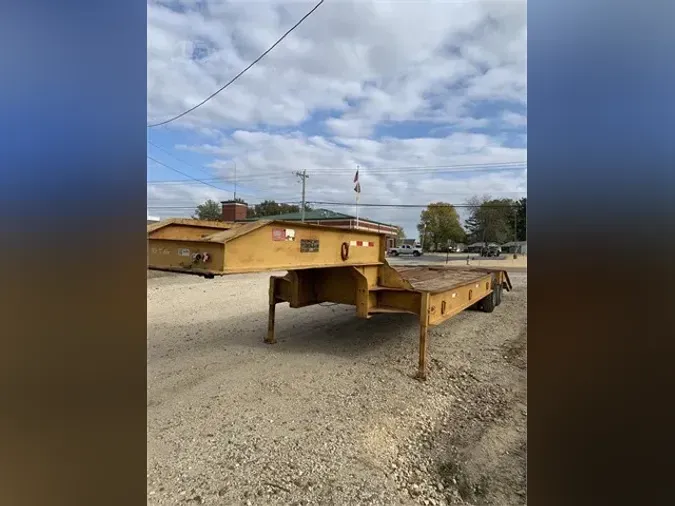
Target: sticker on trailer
283,234
184,252
309,245
366,244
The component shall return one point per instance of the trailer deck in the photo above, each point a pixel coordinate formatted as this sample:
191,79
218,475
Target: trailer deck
433,278
325,264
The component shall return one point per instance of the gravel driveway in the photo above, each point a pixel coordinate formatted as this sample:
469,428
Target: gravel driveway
330,414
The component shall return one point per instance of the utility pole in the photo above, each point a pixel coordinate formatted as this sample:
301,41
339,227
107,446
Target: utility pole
235,181
302,175
515,233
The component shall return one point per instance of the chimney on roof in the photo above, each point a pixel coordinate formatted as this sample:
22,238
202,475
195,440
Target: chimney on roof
234,211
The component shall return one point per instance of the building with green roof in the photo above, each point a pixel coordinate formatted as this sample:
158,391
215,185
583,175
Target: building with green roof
236,211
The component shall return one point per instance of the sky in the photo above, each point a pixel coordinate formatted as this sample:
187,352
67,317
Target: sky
427,98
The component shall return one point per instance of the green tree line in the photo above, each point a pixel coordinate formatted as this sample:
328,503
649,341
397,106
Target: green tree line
490,220
212,210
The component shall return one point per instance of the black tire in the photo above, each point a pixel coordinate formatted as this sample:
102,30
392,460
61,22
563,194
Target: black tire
488,303
416,253
498,294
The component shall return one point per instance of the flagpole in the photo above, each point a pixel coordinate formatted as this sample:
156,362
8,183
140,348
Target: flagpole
357,210
358,194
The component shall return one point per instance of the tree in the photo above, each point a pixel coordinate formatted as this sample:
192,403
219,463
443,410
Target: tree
439,225
490,220
272,208
521,219
400,233
209,210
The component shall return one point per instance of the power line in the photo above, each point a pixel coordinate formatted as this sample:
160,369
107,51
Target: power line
240,73
351,204
178,159
473,166
251,196
195,205
375,170
183,173
401,206
216,179
279,200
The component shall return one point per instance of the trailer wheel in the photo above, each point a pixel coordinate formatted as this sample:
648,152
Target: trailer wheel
488,305
498,294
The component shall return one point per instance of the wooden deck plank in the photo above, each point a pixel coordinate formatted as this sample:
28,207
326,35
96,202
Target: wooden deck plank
433,278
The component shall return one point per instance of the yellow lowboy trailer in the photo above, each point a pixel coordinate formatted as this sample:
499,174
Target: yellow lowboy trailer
324,264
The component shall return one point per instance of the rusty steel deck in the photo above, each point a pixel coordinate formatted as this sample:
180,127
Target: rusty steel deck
434,278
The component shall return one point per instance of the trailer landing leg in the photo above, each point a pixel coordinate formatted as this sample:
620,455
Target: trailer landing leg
422,369
424,326
270,339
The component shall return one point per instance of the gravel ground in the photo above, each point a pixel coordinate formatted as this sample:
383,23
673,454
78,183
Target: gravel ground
330,414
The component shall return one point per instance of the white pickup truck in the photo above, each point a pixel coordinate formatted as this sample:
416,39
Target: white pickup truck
405,249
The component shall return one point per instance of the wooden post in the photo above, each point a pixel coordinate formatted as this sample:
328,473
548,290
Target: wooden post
424,325
270,339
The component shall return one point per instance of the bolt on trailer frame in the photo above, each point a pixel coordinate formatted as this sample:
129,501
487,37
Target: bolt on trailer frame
324,264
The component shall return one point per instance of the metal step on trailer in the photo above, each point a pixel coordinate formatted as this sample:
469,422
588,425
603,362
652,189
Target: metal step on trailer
325,264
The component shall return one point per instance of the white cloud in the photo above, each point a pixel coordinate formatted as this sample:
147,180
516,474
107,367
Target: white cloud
426,73
514,119
266,164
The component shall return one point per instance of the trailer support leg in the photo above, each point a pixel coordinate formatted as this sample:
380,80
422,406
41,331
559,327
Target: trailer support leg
270,339
424,326
422,369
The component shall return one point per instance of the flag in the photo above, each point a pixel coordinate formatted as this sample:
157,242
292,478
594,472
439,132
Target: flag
357,184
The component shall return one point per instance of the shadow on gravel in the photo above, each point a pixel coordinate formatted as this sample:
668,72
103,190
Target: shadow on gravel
506,484
480,449
334,331
152,274
342,332
515,351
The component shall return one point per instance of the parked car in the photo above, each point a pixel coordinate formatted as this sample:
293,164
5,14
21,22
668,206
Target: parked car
456,249
405,249
491,251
